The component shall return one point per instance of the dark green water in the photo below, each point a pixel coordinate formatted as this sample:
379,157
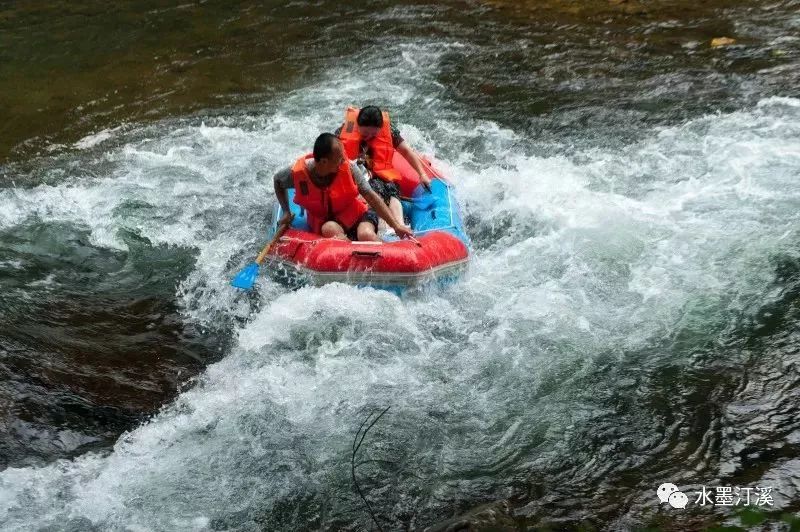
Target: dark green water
628,319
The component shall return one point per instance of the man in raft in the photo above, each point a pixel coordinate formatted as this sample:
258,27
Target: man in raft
327,186
367,134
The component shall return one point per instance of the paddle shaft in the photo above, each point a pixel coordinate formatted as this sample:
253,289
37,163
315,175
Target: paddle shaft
279,233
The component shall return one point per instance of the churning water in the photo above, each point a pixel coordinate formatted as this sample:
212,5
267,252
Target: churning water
629,316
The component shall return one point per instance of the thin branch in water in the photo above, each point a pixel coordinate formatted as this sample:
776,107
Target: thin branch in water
353,466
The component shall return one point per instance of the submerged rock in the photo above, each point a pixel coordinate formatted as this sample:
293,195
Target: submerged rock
722,41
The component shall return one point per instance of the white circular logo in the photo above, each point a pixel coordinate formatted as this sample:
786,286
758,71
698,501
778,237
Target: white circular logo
665,490
678,499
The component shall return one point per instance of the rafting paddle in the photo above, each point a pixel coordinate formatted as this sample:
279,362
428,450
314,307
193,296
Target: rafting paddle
247,277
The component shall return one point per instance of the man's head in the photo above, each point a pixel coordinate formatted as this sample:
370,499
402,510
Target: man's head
370,121
328,154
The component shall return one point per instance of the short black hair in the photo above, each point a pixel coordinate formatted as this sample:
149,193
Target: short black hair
323,146
370,116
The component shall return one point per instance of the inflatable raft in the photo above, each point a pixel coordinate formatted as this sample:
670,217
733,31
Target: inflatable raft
301,257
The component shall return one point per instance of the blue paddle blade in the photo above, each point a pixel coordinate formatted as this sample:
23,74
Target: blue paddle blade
246,278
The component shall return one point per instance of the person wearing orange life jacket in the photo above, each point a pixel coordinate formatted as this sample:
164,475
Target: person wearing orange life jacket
368,134
327,186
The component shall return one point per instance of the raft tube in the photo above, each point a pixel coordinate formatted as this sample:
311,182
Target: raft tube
301,257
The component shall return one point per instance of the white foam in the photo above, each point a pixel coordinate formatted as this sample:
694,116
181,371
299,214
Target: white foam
90,141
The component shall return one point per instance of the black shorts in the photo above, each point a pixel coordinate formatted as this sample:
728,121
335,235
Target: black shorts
369,216
385,189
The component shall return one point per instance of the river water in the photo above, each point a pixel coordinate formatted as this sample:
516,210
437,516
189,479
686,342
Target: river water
629,318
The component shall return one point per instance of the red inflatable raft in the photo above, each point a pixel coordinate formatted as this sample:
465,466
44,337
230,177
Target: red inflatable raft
441,256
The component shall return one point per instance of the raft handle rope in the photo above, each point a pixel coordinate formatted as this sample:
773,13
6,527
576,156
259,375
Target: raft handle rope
366,253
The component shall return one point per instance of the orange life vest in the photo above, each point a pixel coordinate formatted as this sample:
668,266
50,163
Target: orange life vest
381,147
339,201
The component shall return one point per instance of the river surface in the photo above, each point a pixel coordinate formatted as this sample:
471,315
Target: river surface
630,316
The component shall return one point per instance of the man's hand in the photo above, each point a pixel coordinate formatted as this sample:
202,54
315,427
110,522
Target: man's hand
403,231
286,219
